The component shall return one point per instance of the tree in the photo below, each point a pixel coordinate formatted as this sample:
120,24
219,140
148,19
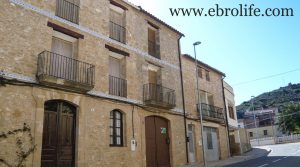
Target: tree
289,119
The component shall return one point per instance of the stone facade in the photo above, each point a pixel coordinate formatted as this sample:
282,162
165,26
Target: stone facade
235,141
27,29
24,34
214,87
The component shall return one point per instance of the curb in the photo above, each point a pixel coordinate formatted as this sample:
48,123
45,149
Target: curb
246,158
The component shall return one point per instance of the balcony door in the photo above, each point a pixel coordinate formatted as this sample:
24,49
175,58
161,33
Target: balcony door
62,65
152,76
117,29
207,98
117,83
114,67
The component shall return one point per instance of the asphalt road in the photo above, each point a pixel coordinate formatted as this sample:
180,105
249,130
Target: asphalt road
282,155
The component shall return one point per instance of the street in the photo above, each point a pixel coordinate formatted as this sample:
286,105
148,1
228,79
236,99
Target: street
282,155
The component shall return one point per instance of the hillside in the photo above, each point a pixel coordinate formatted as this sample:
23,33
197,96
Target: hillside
275,98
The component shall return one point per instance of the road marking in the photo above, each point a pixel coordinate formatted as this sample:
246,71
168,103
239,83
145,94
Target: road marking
285,157
263,165
276,160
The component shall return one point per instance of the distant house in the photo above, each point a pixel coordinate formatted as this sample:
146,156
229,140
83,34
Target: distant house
262,123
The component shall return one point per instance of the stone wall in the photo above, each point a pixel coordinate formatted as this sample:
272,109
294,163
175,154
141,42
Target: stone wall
26,105
29,35
24,34
229,99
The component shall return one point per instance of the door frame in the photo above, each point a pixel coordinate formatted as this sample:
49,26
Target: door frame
218,140
194,142
76,130
169,135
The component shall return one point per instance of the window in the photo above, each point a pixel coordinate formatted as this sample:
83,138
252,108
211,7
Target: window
206,98
265,132
199,72
116,128
209,141
207,75
251,134
153,42
231,112
117,30
68,9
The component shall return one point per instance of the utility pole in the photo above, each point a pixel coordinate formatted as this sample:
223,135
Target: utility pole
257,137
271,120
199,104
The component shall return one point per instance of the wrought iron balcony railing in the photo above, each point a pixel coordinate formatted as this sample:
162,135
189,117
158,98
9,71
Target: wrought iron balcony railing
67,10
117,32
117,86
57,66
211,112
158,95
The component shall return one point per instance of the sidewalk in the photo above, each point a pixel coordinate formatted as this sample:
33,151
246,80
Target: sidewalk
254,153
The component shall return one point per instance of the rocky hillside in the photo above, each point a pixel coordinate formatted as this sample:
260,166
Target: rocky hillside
275,98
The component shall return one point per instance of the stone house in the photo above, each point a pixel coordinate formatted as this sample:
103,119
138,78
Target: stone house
262,123
211,99
239,141
90,83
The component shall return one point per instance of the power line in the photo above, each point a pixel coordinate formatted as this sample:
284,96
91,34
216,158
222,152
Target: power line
266,77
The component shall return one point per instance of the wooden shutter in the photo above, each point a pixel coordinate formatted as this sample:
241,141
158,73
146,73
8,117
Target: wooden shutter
152,76
62,47
210,99
114,67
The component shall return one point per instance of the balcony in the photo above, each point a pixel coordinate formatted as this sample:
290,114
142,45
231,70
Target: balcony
67,10
212,113
117,32
63,72
159,96
117,86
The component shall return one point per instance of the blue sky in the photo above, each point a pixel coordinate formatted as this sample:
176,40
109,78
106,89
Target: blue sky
244,48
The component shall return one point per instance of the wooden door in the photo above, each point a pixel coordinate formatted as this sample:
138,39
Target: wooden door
58,135
157,142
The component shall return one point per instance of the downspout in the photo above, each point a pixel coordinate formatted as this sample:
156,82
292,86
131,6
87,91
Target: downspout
183,102
226,118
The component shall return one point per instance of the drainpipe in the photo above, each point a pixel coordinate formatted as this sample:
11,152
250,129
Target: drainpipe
226,118
183,102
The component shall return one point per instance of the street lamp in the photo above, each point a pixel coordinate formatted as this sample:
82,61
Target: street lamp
198,101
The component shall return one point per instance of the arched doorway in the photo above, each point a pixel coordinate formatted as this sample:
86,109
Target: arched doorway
157,142
58,134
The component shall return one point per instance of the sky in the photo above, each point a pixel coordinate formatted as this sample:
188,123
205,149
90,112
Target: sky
244,48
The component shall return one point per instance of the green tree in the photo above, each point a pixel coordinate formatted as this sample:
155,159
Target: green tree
289,120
